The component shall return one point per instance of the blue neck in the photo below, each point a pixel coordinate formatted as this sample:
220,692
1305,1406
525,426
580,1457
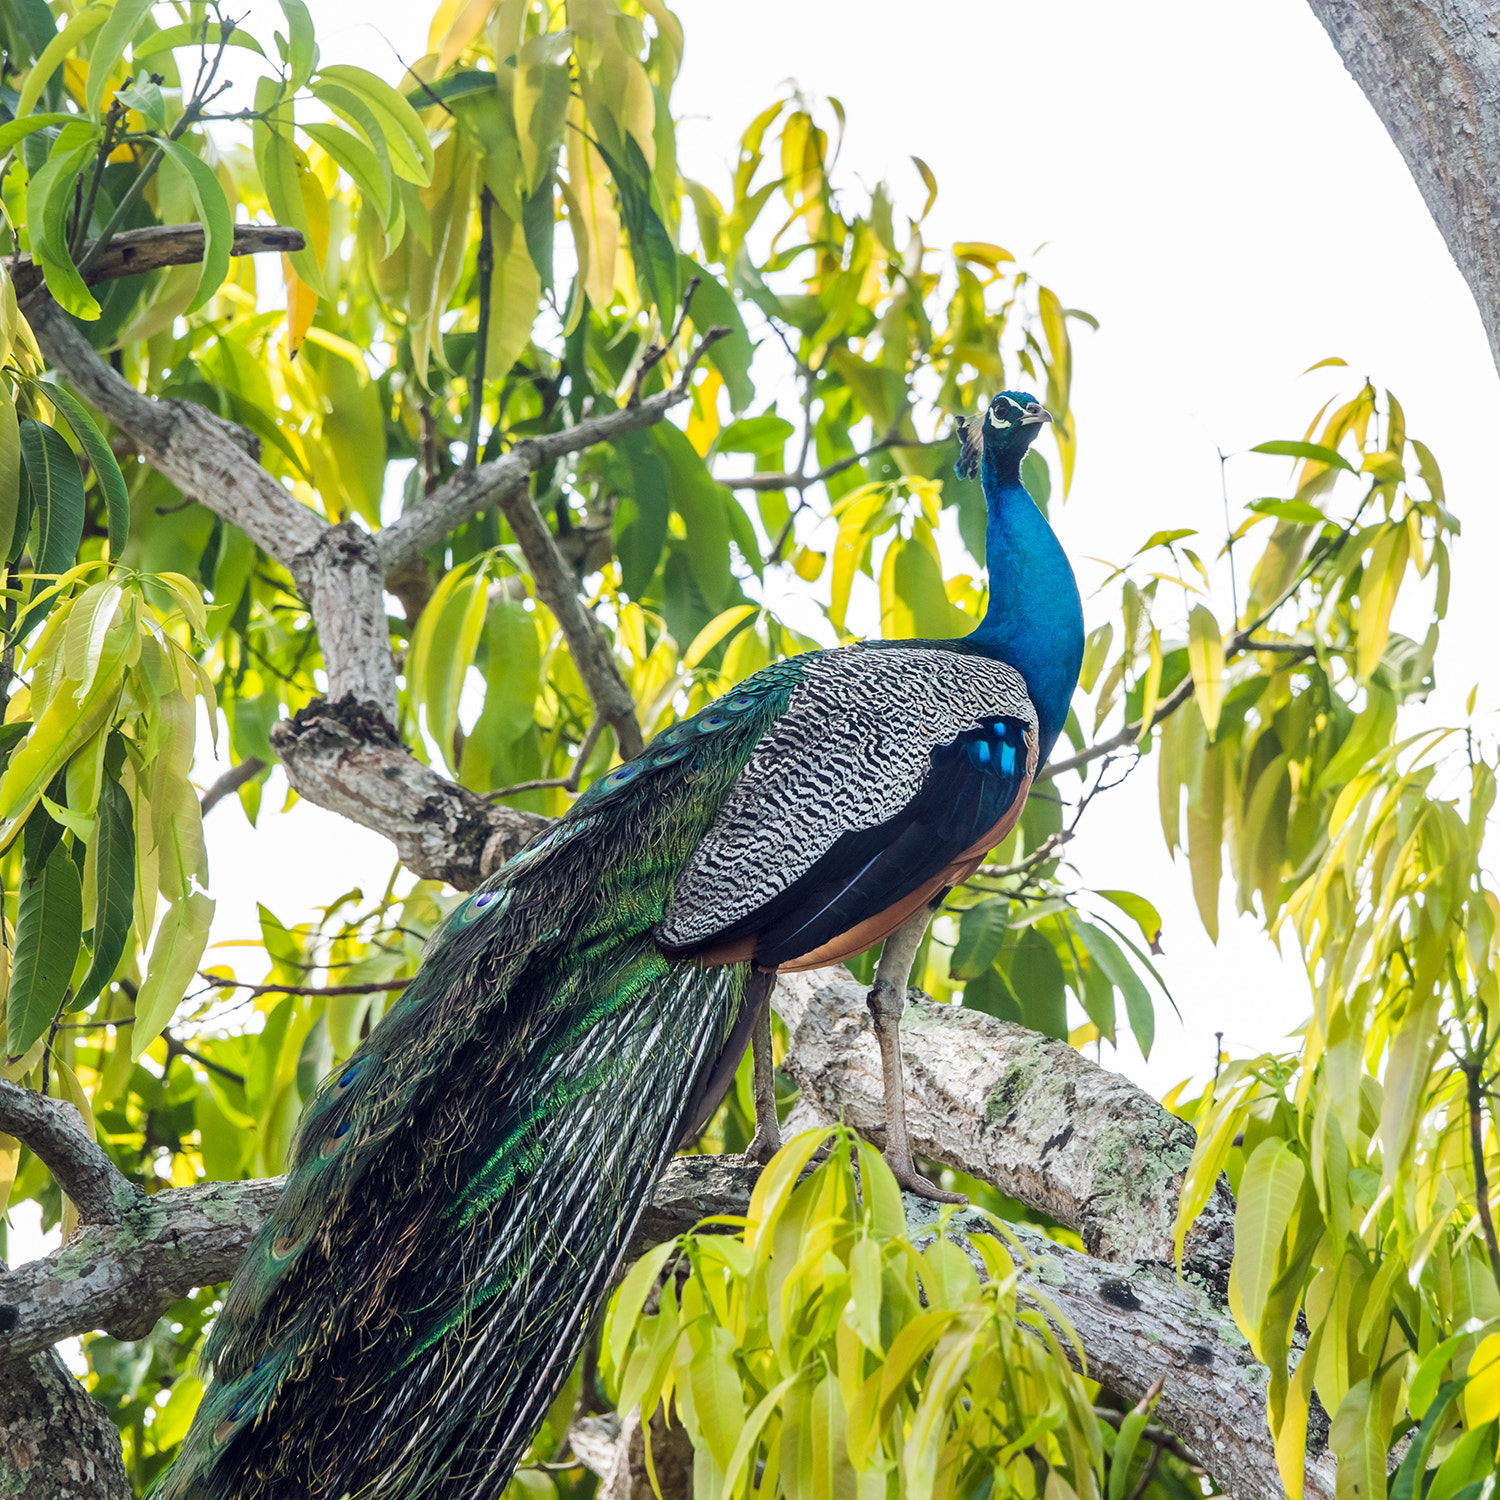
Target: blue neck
1035,618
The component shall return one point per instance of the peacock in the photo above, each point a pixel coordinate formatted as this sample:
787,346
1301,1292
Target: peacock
462,1191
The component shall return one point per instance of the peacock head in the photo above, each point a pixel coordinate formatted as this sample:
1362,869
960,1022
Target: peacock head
1006,428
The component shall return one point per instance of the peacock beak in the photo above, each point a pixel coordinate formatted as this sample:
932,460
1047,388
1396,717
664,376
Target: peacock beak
1035,414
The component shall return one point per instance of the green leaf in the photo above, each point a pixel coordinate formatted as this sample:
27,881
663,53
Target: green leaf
370,170
1141,912
57,493
301,48
114,889
512,673
642,512
175,956
651,247
14,131
48,922
714,303
405,135
82,25
213,211
101,456
1206,658
443,647
49,206
10,470
1408,1481
109,47
1036,479
194,34
982,929
276,157
1116,968
1095,650
1269,1187
1299,512
1313,452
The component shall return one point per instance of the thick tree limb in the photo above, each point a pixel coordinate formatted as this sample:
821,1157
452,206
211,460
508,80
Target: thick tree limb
135,251
55,1132
123,1276
345,590
56,1441
346,757
1031,1115
1431,71
199,452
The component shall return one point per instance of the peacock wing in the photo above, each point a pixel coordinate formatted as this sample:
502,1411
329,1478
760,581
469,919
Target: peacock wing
890,770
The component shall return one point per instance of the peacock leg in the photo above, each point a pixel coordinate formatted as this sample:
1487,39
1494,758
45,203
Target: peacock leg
886,1001
766,1141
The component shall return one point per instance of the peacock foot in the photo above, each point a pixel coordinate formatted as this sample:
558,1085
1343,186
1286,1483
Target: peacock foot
764,1144
912,1181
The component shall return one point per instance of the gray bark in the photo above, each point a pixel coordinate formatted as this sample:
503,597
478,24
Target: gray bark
1431,71
56,1441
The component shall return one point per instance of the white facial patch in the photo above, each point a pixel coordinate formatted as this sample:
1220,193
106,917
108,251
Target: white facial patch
996,422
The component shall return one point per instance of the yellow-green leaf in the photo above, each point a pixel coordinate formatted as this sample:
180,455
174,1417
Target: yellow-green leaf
1206,661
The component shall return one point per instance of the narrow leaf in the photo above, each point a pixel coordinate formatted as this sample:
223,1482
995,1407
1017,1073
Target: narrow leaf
48,921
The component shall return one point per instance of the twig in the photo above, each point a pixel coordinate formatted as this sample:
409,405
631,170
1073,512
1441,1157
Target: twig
800,482
485,270
176,1048
656,352
374,987
1157,1436
230,782
1471,1070
106,146
55,1131
568,783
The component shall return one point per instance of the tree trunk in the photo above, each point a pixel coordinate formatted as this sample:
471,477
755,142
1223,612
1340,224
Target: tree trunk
56,1441
1431,70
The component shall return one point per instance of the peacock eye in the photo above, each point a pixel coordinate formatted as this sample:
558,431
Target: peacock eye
486,898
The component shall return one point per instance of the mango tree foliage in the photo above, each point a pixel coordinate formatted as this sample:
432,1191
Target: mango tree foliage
494,247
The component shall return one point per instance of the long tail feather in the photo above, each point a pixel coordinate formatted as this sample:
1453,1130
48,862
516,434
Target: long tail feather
462,1191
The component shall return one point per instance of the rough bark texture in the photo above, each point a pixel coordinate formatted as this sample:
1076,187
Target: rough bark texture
346,757
347,596
1431,70
122,1276
56,1441
55,1131
1029,1114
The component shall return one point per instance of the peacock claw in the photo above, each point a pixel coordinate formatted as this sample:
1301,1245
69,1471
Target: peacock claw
912,1181
764,1144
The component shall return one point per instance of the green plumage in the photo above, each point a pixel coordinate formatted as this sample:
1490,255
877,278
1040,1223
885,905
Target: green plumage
462,1190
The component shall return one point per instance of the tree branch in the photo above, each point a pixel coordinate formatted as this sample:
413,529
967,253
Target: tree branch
466,494
133,252
347,758
1029,1114
203,455
1431,71
57,1442
55,1131
230,782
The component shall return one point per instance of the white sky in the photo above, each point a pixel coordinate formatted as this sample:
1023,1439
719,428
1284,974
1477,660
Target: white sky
1214,188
